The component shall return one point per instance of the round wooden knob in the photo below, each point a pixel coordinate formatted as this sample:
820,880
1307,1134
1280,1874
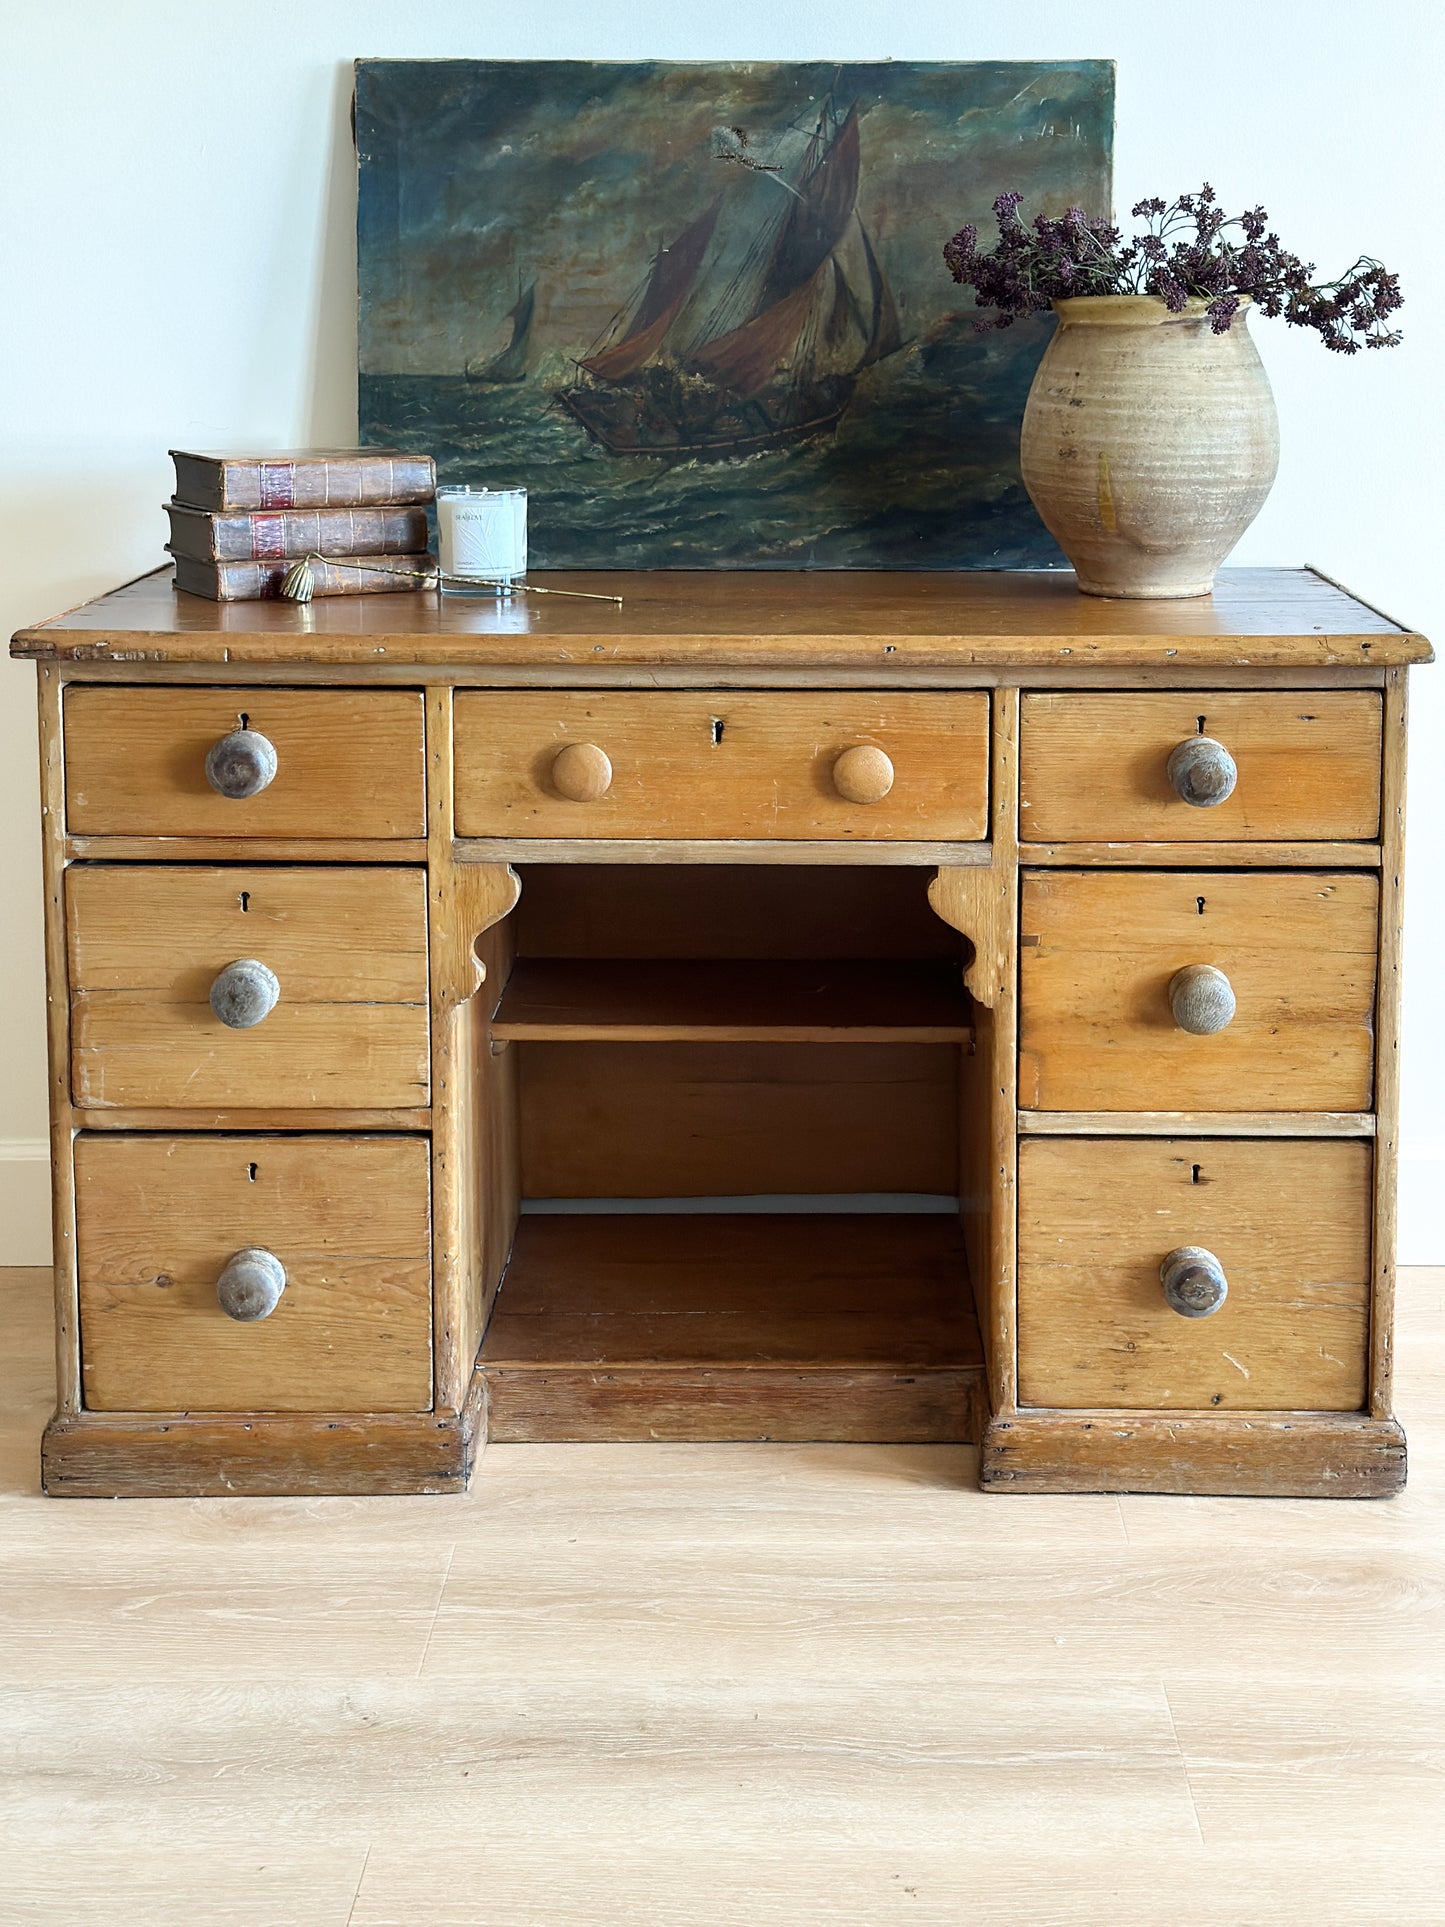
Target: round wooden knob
1194,1282
251,1285
243,993
863,774
1202,772
1202,999
241,764
582,772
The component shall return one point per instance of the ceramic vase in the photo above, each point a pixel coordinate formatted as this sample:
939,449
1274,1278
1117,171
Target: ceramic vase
1149,443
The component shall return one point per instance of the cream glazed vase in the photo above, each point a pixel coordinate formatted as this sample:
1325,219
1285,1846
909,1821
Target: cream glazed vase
1149,443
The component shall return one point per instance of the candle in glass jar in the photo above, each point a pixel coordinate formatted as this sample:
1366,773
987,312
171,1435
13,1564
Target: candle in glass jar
482,533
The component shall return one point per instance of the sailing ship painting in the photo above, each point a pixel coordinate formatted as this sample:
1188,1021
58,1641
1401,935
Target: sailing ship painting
700,311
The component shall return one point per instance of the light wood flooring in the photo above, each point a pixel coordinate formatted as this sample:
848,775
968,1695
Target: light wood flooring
721,1685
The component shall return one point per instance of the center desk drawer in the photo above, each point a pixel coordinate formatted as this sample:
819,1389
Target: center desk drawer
346,947
1276,972
1095,767
1283,1224
314,762
346,1220
782,764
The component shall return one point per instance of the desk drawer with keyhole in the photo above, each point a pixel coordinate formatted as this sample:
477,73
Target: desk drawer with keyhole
254,1274
775,764
1201,766
247,987
244,762
1197,990
1213,1274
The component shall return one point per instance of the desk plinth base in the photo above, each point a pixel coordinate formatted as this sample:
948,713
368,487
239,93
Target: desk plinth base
1292,1455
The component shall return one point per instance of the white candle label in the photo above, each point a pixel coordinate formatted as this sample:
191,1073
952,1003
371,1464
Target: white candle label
483,535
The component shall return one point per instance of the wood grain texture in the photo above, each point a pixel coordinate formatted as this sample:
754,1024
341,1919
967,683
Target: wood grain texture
1213,856
679,1001
464,904
1094,766
348,945
721,765
715,1120
988,1073
1288,1221
349,1218
1263,1124
51,719
1281,1456
1098,950
893,619
1387,1048
349,762
704,1327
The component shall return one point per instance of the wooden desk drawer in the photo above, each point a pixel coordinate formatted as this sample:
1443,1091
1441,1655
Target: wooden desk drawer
1288,1221
159,1218
1099,952
347,946
717,765
1095,768
348,762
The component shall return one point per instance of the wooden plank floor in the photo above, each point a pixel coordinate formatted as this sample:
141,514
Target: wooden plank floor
722,1685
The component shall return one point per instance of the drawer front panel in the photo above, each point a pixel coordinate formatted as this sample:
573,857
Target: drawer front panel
1288,1221
722,765
159,1218
1100,950
349,763
1094,768
347,947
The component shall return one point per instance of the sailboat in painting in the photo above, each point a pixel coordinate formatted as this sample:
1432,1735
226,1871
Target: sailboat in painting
776,356
510,366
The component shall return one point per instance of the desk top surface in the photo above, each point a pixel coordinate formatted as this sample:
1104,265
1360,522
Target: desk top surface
1255,618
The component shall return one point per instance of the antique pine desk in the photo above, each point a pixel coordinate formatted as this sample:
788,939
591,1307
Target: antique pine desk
1046,947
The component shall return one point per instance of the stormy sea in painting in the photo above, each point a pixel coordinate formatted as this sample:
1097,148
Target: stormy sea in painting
700,311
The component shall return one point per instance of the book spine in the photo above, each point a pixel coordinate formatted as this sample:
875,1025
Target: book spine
254,581
337,482
283,534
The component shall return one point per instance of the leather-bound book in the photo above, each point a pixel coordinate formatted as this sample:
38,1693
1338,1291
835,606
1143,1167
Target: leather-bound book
250,581
303,478
271,535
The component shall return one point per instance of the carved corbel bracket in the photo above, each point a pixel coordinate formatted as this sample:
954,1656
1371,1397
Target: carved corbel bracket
467,899
974,899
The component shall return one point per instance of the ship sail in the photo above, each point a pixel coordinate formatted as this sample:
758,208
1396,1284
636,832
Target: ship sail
511,364
885,335
674,271
745,358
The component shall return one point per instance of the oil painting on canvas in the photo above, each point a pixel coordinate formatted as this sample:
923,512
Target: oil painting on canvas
700,310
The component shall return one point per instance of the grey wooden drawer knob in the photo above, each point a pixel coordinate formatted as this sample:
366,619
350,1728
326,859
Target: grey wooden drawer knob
243,993
1194,1282
1202,772
863,774
241,764
582,772
1202,999
251,1285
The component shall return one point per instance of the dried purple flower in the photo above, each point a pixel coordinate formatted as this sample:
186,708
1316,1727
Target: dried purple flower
1036,264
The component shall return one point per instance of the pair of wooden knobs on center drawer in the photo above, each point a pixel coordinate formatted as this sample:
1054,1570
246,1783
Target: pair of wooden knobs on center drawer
582,772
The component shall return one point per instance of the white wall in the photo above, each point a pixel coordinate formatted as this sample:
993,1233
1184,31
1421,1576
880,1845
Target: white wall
175,231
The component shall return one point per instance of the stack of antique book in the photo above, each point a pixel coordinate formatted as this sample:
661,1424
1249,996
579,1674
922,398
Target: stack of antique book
240,522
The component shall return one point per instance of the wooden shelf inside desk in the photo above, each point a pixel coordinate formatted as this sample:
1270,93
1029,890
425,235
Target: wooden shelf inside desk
752,1326
558,999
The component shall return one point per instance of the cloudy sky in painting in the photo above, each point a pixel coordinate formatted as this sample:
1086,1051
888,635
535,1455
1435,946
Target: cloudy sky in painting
478,176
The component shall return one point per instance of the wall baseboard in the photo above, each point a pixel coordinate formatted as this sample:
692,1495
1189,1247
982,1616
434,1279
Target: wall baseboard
24,1201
